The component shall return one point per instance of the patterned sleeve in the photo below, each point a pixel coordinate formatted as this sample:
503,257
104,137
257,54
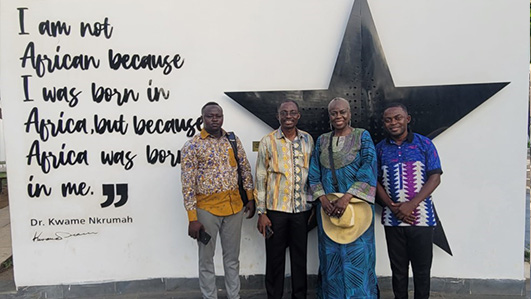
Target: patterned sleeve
314,175
262,162
365,185
188,177
433,164
247,177
378,149
311,144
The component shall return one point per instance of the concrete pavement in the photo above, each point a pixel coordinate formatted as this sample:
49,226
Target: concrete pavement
5,234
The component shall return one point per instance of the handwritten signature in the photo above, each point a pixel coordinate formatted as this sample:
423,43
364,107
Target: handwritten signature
58,236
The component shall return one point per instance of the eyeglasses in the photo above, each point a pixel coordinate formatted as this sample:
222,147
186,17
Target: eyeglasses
290,113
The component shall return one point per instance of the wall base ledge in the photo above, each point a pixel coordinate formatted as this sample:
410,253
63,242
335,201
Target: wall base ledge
251,286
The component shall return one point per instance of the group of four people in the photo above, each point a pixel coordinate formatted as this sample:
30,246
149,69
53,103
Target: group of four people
341,175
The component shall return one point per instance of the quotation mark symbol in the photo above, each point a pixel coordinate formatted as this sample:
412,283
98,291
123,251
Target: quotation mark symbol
108,191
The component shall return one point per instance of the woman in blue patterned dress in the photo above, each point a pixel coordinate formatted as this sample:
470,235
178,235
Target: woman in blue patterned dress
345,270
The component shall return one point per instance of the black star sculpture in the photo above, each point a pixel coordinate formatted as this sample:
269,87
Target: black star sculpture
362,77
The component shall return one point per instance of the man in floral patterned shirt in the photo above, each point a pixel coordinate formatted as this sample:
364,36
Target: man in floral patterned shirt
209,176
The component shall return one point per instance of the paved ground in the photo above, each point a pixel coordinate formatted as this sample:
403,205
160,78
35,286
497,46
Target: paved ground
5,235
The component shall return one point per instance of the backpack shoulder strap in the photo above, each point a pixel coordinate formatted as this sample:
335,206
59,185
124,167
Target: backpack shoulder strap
232,141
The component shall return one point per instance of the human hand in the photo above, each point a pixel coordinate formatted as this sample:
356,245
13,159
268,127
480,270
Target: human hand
409,219
404,211
263,222
250,209
326,205
193,229
340,205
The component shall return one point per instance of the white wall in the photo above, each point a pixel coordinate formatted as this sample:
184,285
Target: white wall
255,45
481,200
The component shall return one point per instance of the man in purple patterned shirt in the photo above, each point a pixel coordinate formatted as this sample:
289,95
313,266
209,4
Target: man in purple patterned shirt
409,170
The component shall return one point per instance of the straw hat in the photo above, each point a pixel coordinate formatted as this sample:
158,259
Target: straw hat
353,223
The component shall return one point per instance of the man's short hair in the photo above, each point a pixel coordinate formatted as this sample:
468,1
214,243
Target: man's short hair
396,105
209,104
288,101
